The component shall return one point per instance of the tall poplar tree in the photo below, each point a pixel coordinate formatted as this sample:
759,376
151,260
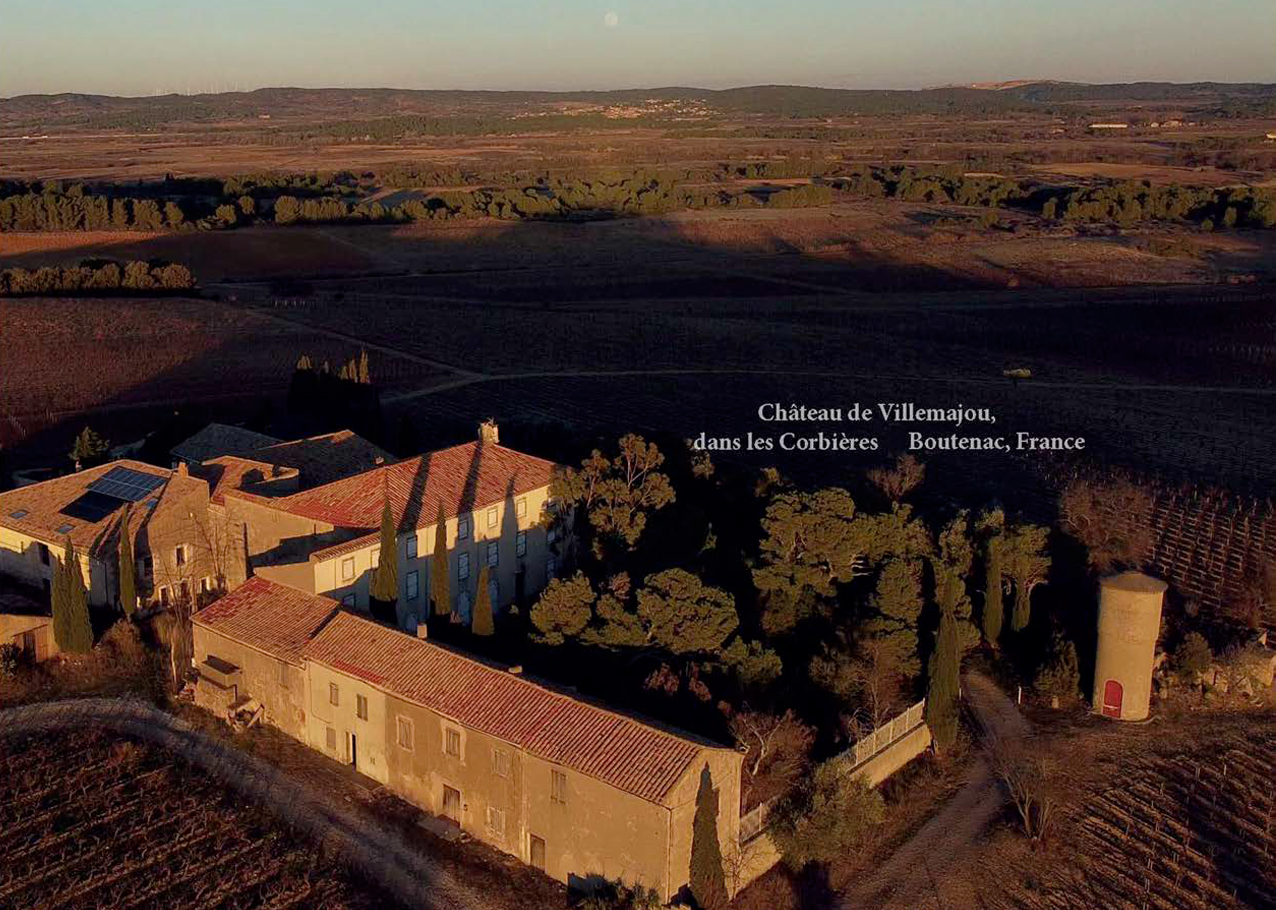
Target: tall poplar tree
439,582
127,567
385,578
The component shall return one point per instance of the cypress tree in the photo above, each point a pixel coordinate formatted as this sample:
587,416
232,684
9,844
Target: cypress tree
385,578
994,608
363,375
73,631
58,601
439,592
481,616
707,879
127,568
943,683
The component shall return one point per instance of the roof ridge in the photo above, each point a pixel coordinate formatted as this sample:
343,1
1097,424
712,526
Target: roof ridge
535,682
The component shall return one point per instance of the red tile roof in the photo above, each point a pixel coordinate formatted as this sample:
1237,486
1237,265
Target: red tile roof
233,472
40,505
324,459
462,478
614,748
268,616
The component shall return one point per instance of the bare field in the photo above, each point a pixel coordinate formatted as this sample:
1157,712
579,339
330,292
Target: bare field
68,356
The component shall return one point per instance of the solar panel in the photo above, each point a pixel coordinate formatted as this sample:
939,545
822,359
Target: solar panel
126,484
19,513
65,529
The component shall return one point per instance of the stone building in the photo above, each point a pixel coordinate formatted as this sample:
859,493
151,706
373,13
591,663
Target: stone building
326,539
181,551
563,784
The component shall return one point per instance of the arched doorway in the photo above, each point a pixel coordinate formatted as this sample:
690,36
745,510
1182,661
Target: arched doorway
1112,693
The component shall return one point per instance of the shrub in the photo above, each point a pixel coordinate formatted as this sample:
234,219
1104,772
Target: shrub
1193,656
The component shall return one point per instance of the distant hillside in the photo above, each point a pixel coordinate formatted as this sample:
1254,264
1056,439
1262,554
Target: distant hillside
106,111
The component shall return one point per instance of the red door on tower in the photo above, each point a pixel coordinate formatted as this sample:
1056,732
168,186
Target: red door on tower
1112,699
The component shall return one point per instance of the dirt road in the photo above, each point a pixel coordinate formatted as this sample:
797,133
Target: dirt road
415,878
913,877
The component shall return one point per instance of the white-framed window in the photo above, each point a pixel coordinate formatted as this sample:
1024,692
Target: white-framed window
180,554
164,595
331,734
452,742
361,707
558,787
205,585
495,820
493,592
463,605
551,565
520,544
491,517
462,527
500,762
374,557
463,566
520,507
411,585
347,568
185,588
334,694
493,552
410,543
147,563
348,600
404,733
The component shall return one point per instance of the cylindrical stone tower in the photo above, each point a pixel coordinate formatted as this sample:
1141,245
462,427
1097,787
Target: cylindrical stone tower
1129,624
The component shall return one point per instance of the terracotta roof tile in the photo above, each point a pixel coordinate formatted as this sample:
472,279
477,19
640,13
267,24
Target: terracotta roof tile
614,748
324,459
220,439
462,478
36,510
232,472
271,617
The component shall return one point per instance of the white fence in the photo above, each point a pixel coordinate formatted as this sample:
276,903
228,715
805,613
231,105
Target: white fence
903,723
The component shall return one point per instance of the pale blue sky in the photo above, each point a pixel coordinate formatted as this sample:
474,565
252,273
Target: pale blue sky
145,46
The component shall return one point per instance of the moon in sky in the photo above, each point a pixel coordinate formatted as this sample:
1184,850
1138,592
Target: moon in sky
612,19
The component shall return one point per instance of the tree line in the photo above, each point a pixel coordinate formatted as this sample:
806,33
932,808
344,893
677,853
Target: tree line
97,277
342,197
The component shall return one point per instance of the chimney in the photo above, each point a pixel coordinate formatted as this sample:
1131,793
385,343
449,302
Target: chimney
422,630
516,670
379,460
182,470
489,432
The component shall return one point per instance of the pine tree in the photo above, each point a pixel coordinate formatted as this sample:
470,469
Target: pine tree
481,617
439,592
90,449
707,879
385,578
127,567
1026,564
71,627
942,687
